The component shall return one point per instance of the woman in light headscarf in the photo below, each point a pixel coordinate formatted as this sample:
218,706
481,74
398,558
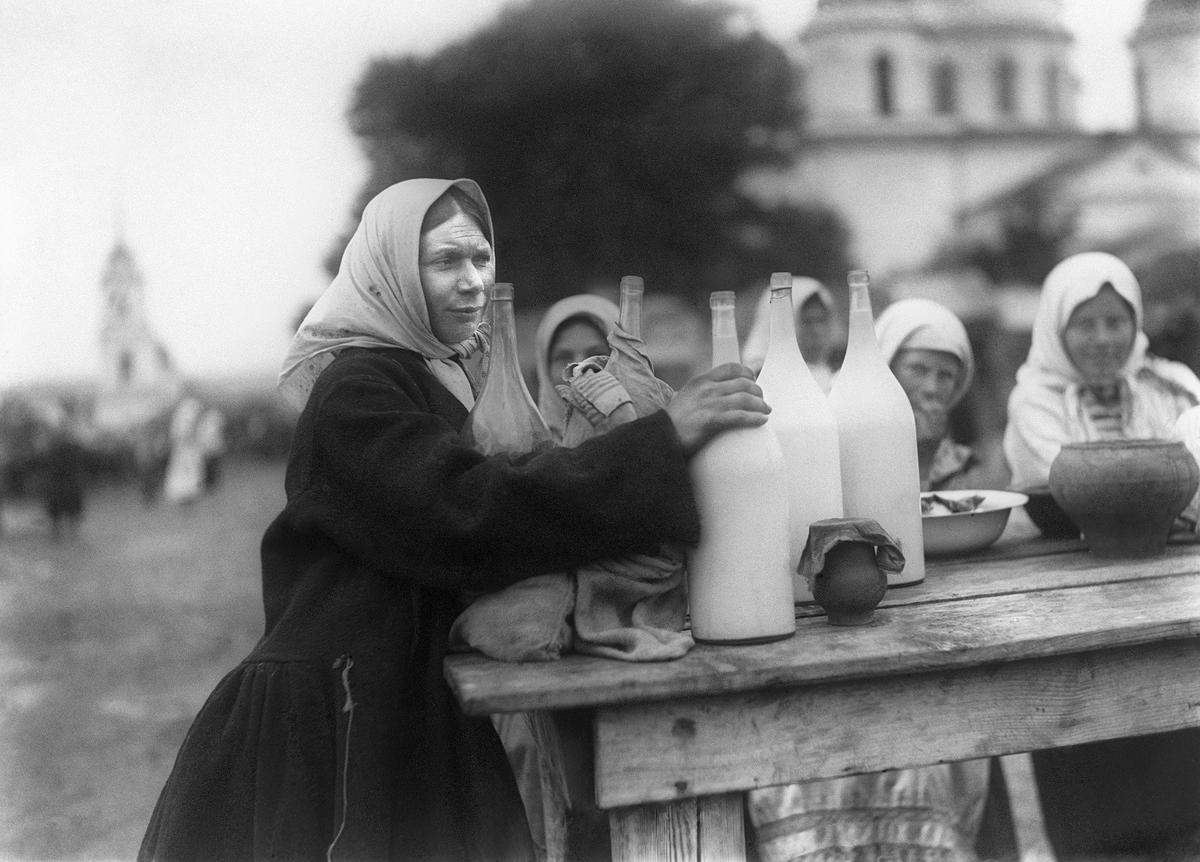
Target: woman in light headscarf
927,348
338,737
571,330
1088,377
816,319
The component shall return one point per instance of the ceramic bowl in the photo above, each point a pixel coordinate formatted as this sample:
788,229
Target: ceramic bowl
964,532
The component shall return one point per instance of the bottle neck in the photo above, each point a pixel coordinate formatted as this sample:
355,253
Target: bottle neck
861,342
504,337
782,322
724,336
631,313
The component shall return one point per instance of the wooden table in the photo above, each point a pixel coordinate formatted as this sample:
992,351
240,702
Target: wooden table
1030,644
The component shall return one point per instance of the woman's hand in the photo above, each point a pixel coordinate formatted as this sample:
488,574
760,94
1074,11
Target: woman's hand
715,401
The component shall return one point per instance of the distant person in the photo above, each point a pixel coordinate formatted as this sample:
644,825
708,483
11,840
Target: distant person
151,453
62,473
816,323
1088,377
185,467
210,437
571,330
927,347
338,736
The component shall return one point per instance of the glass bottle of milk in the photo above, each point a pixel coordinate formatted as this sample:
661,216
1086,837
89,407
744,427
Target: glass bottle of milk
805,426
878,438
739,581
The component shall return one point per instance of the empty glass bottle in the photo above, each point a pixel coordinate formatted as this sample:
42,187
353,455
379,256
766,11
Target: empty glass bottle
505,417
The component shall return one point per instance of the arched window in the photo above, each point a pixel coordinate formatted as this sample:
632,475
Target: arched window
1006,86
885,98
125,367
945,88
1053,92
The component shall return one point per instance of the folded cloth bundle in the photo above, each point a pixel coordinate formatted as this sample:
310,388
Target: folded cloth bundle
632,608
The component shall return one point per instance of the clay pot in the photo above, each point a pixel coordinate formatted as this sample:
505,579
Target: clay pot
850,585
1124,494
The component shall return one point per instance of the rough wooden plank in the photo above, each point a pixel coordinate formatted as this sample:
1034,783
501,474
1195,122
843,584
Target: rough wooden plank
727,743
664,832
918,637
722,828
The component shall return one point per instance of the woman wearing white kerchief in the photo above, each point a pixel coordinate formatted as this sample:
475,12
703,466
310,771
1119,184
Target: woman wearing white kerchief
571,330
927,348
1088,377
337,737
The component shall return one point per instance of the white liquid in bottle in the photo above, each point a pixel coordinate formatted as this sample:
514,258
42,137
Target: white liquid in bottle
878,438
805,426
739,583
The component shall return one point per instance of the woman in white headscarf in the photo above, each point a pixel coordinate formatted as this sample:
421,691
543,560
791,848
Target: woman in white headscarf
927,348
1088,377
816,320
338,737
571,330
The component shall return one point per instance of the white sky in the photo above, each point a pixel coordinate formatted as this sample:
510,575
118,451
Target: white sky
215,129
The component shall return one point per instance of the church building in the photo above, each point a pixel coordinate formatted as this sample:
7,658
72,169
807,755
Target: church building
924,120
137,380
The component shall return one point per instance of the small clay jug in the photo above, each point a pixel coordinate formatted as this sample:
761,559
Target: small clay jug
851,584
1124,494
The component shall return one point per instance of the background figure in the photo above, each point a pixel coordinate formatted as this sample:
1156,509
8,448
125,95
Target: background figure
151,452
571,330
927,348
1088,377
185,468
816,322
210,436
61,460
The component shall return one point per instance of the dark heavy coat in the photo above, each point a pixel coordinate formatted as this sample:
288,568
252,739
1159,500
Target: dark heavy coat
341,712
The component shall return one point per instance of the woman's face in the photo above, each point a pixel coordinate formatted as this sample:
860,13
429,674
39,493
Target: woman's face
814,330
1099,336
574,341
929,378
456,271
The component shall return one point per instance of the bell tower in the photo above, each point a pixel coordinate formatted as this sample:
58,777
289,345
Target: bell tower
137,378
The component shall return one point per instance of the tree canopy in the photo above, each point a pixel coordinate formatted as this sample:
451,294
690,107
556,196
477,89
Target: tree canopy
609,137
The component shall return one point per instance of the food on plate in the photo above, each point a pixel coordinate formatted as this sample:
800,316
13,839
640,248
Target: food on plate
936,504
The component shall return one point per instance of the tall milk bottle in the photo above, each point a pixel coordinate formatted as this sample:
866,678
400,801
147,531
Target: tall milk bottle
878,438
805,426
739,582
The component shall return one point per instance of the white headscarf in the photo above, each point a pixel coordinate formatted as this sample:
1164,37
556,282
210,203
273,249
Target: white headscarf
596,310
376,299
922,324
1070,284
754,352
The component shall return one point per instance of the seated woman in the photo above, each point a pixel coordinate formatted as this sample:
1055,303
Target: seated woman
816,318
338,736
928,350
571,330
907,815
1088,377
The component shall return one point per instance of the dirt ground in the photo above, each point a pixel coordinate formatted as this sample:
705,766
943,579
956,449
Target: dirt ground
109,643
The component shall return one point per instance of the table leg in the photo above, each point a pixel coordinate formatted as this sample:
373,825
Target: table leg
704,829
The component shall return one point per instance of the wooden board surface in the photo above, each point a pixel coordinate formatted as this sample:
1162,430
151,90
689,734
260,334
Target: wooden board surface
704,745
966,613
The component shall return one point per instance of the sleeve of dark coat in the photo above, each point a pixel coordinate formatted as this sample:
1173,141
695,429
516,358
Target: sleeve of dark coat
392,483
